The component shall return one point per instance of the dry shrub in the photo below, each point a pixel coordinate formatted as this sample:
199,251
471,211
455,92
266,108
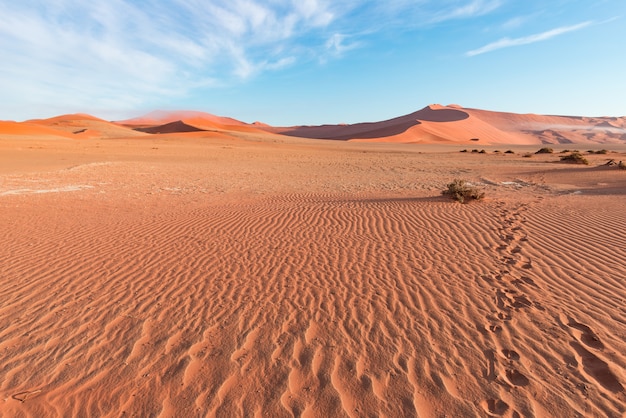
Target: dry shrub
574,158
545,150
463,192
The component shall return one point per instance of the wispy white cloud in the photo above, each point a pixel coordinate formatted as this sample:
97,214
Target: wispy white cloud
338,44
525,40
466,9
515,22
122,53
86,54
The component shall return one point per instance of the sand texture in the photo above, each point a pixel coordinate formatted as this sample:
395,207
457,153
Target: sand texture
247,274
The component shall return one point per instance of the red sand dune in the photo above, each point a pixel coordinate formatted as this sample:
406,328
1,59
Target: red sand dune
188,121
162,117
455,124
65,119
83,126
388,128
8,128
432,124
171,127
558,129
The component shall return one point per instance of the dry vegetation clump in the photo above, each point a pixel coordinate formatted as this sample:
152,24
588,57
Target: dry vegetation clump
574,158
509,151
463,192
545,150
528,155
613,163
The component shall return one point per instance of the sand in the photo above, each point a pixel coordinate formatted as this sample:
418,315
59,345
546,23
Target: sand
246,274
455,124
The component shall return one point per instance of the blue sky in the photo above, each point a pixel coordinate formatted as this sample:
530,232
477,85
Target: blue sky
288,62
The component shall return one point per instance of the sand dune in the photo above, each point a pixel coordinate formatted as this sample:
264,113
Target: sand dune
162,117
454,124
469,131
172,127
10,129
558,129
77,126
433,124
389,128
189,121
241,276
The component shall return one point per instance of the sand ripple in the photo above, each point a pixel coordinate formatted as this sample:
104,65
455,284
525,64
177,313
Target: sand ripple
315,306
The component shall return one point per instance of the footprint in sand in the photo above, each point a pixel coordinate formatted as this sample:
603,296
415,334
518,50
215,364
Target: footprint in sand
597,368
524,280
510,355
504,316
495,406
583,333
521,302
592,365
495,328
516,378
491,374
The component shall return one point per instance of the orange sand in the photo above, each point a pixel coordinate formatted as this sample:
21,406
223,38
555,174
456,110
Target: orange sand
454,124
247,274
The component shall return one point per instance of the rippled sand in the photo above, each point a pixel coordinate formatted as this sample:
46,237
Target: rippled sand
199,275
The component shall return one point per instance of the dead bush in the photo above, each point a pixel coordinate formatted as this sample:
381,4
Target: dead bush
463,192
574,158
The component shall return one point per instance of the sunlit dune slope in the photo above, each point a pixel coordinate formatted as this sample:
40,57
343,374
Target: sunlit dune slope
82,126
8,128
454,124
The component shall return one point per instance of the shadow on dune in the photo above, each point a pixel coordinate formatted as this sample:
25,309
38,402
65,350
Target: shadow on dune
170,128
382,129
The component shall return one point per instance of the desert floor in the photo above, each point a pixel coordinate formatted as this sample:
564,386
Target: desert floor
216,275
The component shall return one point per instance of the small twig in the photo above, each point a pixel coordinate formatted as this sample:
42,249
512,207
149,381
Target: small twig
23,396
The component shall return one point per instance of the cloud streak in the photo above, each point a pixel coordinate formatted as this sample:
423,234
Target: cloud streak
465,10
120,54
539,37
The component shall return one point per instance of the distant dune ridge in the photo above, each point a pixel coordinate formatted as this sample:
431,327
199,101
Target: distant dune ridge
432,124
